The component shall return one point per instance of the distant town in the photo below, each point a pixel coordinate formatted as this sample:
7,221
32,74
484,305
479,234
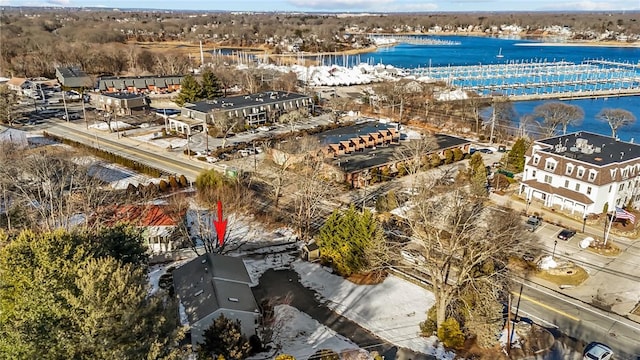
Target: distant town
233,185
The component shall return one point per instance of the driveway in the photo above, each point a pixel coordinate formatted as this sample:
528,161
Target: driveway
278,283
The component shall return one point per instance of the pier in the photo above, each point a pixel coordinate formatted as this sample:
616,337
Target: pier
541,79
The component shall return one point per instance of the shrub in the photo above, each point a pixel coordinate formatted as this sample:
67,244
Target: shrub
482,138
450,334
457,154
173,182
163,186
285,357
448,156
429,326
183,181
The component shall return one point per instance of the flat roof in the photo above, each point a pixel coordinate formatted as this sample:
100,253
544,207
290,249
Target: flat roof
352,131
591,148
242,101
123,96
370,157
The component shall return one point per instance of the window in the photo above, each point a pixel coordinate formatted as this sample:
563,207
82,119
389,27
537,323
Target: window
550,165
610,186
588,190
566,183
577,187
592,175
533,174
580,172
536,160
548,179
569,169
621,187
625,173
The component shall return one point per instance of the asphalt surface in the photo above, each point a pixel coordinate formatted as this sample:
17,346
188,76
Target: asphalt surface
280,283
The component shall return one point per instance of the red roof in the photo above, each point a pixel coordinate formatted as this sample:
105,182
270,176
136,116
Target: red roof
146,215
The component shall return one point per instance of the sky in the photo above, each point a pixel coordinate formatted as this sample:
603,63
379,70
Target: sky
347,5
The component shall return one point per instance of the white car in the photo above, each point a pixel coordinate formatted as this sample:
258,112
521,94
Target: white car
597,351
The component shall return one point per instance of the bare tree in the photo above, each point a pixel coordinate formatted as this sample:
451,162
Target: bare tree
292,118
338,106
310,184
225,123
413,155
616,118
8,101
458,235
557,114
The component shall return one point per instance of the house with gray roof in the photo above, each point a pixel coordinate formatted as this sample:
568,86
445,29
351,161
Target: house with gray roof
139,84
73,77
121,103
212,285
581,173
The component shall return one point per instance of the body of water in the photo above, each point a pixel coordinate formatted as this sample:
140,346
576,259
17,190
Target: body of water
483,50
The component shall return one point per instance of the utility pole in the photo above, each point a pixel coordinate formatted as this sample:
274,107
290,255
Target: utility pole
509,327
493,121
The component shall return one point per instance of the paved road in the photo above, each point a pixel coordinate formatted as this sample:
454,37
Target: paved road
279,283
578,320
168,162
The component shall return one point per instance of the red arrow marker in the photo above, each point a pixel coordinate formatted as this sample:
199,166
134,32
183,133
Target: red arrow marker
220,224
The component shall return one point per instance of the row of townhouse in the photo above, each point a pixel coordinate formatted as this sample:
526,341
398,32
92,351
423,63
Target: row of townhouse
581,172
253,109
358,137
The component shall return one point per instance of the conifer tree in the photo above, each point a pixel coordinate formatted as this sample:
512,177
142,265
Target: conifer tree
190,90
515,157
477,175
352,241
224,338
210,86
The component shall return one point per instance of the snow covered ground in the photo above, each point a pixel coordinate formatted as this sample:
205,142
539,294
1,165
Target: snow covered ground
301,336
392,310
163,143
115,126
119,177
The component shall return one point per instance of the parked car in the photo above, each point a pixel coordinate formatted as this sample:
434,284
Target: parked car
566,234
485,151
597,351
533,222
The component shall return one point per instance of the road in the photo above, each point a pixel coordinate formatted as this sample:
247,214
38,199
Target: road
578,320
168,162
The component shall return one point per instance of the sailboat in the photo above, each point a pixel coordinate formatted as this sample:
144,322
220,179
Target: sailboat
500,54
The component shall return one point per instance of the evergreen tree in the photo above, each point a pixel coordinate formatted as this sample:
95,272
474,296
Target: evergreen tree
448,156
477,175
352,241
190,90
58,294
515,157
224,338
210,86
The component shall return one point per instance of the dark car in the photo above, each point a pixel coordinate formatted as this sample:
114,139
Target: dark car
566,234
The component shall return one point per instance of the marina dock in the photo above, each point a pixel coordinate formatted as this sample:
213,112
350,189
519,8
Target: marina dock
541,79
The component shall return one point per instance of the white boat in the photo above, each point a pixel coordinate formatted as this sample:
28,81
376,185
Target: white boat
500,54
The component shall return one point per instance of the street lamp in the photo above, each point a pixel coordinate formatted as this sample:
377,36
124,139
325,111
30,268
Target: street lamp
584,222
526,210
553,255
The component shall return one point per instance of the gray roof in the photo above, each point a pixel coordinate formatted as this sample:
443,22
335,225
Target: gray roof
369,158
243,101
202,290
345,133
123,96
605,150
73,77
140,82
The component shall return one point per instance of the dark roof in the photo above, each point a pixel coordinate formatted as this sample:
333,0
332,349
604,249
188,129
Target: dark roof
123,96
369,157
243,101
312,246
122,82
595,149
352,131
71,72
211,282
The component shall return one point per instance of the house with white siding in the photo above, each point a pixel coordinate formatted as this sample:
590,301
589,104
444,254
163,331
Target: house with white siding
581,172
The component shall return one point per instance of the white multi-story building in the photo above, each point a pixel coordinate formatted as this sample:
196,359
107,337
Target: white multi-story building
581,172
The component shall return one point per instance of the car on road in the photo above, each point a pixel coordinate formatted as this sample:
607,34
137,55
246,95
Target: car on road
566,234
485,151
533,222
597,351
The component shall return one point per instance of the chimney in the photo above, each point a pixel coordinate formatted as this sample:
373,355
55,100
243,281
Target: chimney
621,154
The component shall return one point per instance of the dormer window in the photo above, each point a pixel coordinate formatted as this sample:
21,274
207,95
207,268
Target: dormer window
625,173
569,169
592,175
550,165
536,159
613,173
580,171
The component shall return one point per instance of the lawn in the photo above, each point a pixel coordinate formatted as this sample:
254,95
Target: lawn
572,276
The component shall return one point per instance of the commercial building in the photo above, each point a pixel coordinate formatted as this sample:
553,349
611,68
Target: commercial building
582,173
121,103
72,77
